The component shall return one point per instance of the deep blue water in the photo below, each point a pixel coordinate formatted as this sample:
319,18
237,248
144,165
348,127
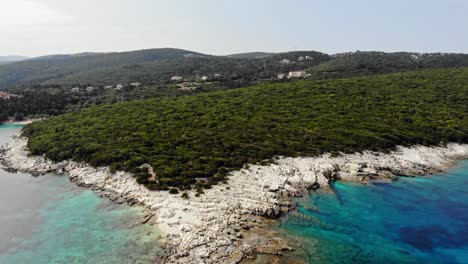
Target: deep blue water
49,220
413,220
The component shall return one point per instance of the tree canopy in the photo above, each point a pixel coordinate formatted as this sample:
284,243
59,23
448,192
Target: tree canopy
198,139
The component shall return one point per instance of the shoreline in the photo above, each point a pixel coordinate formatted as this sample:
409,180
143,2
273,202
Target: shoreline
26,121
225,224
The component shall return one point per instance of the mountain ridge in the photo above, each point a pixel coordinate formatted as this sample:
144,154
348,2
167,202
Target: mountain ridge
157,66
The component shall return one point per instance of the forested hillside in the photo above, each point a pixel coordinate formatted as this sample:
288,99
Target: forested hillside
231,72
11,58
43,69
251,55
196,140
368,63
157,66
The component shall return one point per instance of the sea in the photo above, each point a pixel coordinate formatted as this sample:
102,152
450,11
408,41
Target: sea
412,220
48,220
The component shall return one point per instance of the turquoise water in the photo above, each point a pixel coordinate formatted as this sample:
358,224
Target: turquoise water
49,220
414,220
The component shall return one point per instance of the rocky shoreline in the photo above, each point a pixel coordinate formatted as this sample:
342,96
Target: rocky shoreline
226,224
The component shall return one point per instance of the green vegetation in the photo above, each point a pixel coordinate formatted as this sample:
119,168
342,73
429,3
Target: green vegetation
251,55
194,141
44,69
157,66
45,83
37,104
149,67
368,63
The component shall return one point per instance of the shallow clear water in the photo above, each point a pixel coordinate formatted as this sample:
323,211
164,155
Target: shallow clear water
49,220
414,220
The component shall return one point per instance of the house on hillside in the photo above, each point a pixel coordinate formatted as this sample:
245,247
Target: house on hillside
75,90
108,87
281,76
306,58
285,61
119,87
204,78
176,78
187,86
90,89
6,96
135,84
297,74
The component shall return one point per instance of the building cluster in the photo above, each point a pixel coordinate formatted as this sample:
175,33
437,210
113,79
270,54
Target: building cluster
91,89
299,59
184,84
187,86
88,89
293,74
199,78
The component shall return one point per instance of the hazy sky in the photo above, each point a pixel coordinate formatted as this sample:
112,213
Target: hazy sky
39,27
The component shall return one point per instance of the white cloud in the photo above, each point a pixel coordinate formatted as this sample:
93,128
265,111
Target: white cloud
28,12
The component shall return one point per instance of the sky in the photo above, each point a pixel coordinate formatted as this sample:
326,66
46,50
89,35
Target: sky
220,27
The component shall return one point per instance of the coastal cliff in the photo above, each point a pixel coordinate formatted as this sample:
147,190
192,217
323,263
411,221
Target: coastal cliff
219,226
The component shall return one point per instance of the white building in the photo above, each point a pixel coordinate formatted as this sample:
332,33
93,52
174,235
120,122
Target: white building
119,87
281,76
285,61
204,78
297,74
108,87
135,84
176,78
90,89
75,90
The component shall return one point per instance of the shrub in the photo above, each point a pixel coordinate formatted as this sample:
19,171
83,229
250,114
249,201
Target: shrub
173,191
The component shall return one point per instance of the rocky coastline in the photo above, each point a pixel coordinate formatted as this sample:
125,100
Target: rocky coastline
226,224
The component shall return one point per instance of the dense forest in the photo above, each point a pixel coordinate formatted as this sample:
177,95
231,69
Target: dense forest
148,67
194,141
56,75
42,69
45,102
49,102
157,66
368,63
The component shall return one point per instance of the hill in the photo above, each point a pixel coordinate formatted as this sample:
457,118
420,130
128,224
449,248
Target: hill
251,55
157,66
40,70
197,140
11,59
367,63
232,72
